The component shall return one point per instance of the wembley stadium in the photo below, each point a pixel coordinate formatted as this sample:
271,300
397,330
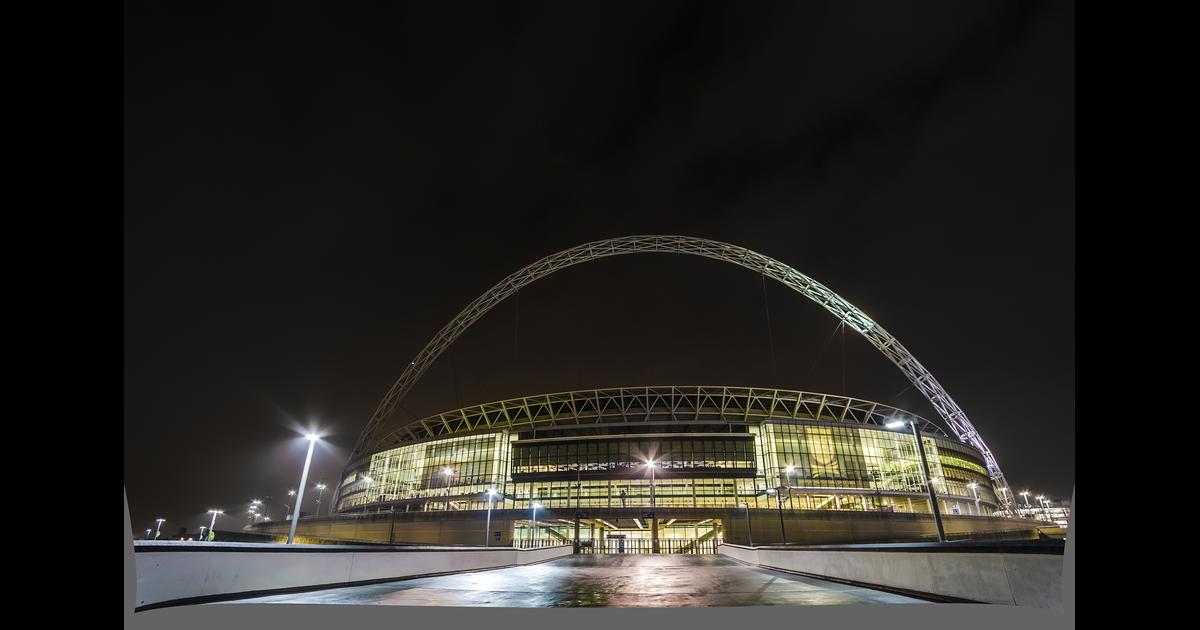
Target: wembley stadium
669,469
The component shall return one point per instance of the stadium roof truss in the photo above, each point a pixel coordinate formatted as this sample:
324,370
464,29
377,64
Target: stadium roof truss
651,405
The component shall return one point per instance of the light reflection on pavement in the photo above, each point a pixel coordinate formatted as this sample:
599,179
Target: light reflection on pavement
622,581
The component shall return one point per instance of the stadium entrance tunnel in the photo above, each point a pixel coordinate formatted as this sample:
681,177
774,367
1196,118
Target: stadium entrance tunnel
643,533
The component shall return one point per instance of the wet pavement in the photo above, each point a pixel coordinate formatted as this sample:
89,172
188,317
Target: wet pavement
629,581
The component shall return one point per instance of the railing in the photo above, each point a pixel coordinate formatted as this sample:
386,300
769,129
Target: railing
646,546
525,543
628,545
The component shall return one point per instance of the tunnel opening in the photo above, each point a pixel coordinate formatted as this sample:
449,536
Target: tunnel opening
646,533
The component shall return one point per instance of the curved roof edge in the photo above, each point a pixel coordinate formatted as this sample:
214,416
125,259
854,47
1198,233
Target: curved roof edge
657,404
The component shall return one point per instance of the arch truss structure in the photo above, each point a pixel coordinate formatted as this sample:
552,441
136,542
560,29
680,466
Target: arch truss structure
953,416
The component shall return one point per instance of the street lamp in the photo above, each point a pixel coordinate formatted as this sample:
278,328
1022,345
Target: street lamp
158,526
148,530
321,488
212,526
778,494
789,470
449,474
653,465
937,514
533,532
975,490
1027,506
487,530
288,505
749,529
312,443
202,528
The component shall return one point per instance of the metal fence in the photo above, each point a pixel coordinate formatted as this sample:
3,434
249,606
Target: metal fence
646,546
629,545
525,543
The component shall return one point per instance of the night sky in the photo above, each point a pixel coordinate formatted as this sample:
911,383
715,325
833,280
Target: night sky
312,192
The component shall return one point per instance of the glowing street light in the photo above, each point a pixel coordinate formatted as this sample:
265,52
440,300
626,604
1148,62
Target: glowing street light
487,530
320,495
158,526
778,494
937,514
449,473
148,530
789,470
749,529
533,532
975,490
312,443
212,526
288,505
653,465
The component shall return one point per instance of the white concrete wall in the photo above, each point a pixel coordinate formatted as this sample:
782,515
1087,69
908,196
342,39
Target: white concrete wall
200,570
1021,579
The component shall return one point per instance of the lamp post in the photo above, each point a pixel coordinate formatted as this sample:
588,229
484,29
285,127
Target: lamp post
778,494
652,465
487,529
1027,506
749,529
312,442
288,505
975,490
202,528
158,527
148,530
789,470
320,495
449,474
533,532
212,526
937,514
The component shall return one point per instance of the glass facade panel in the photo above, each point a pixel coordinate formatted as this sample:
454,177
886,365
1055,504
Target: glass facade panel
810,466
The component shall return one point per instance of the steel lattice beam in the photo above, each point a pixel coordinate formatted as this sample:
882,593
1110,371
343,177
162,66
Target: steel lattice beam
950,413
693,404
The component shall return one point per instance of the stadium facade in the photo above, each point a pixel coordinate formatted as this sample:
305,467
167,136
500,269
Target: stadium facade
692,457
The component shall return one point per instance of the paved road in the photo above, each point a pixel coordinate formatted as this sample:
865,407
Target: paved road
632,581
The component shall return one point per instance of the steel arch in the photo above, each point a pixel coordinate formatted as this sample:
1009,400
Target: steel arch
954,417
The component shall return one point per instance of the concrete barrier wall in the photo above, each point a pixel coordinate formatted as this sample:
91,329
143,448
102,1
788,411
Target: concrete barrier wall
1021,579
180,573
